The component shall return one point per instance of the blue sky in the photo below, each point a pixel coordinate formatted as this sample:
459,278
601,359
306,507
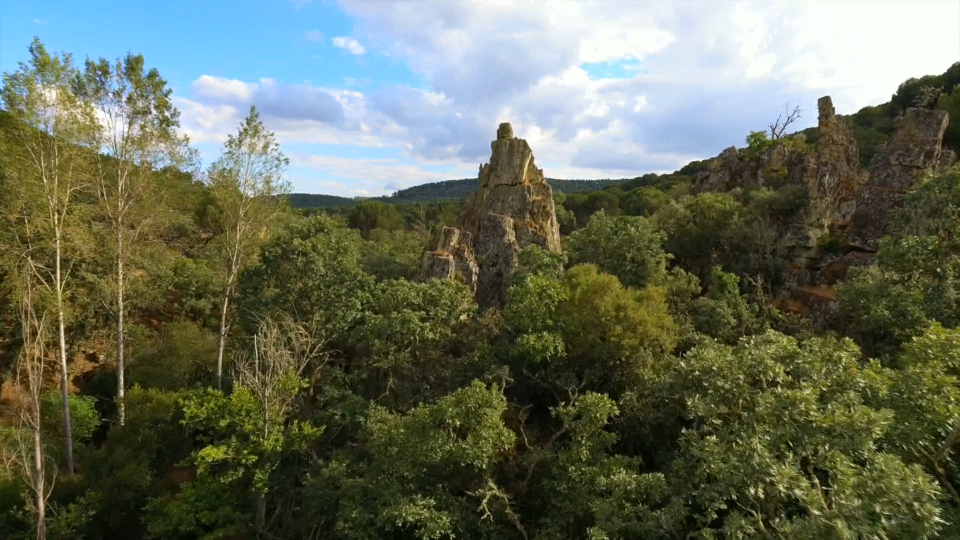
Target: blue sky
367,97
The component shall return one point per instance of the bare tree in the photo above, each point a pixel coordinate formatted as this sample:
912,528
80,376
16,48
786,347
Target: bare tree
281,351
27,452
779,127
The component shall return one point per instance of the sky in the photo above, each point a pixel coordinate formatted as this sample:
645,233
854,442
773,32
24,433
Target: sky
367,97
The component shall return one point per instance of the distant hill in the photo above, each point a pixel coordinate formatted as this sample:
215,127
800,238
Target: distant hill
448,190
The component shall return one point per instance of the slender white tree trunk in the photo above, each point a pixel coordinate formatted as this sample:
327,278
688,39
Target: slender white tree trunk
222,337
62,342
121,408
39,482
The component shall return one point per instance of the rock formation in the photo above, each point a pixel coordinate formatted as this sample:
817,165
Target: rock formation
513,186
838,179
912,152
497,250
779,166
452,259
512,208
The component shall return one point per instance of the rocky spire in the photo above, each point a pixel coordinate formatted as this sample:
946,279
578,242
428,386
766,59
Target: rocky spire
512,208
839,178
513,186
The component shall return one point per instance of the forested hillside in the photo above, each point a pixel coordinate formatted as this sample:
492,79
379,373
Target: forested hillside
184,355
449,190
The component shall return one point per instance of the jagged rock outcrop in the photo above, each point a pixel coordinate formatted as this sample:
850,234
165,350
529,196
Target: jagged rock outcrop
511,185
912,152
780,165
512,208
839,178
453,258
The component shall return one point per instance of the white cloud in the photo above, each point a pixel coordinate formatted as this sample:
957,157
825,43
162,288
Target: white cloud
709,72
349,44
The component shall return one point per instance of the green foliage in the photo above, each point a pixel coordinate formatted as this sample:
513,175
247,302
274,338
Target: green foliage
630,248
597,493
613,398
586,331
425,474
758,144
392,254
369,215
696,228
134,462
765,450
311,272
925,397
83,416
243,436
180,355
406,338
723,313
916,278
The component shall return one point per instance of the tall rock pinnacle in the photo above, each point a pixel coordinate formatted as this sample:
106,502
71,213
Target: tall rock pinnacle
512,208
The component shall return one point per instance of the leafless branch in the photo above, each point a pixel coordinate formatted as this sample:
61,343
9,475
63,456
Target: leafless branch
779,127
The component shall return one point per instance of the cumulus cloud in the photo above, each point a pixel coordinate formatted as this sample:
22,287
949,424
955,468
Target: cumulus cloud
700,77
349,44
287,102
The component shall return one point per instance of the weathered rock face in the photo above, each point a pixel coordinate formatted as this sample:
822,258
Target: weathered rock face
512,208
839,178
512,185
913,151
452,259
497,250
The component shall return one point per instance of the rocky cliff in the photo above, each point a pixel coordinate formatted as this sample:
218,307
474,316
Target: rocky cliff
452,258
914,150
846,203
511,209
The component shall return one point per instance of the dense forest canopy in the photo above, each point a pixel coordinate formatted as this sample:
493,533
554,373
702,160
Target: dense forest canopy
186,354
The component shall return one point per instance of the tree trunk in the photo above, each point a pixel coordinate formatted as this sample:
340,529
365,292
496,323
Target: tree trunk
261,514
62,342
121,409
39,482
222,338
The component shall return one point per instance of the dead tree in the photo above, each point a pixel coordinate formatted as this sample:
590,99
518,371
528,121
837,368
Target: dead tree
27,452
779,127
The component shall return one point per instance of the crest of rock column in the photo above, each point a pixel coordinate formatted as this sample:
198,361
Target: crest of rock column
912,152
839,179
511,185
